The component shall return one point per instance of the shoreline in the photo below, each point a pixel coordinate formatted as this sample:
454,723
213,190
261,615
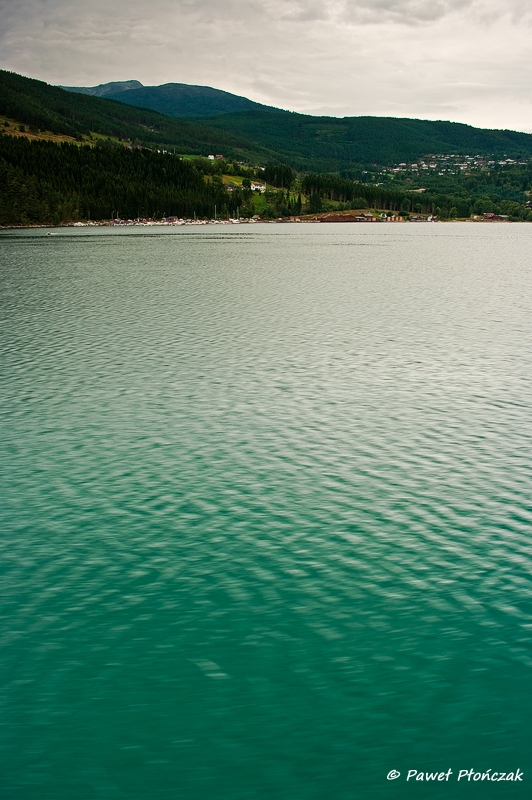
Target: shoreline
288,220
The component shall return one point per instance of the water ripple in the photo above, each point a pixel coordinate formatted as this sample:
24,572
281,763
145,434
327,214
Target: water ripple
266,516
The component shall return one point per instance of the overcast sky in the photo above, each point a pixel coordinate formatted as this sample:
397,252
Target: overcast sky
463,60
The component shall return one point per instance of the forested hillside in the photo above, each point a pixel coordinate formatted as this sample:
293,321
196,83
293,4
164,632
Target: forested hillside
311,164
461,198
43,182
319,144
41,106
322,143
330,144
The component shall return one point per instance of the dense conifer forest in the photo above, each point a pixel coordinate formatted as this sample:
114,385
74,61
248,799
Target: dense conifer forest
44,182
329,144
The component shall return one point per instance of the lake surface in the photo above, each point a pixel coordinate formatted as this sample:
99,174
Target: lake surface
267,506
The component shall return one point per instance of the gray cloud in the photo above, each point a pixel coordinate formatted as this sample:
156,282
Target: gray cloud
405,11
461,59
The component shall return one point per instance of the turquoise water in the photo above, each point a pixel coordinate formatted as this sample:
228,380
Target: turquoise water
266,517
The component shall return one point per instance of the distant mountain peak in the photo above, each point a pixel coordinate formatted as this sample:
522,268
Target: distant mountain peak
173,99
105,89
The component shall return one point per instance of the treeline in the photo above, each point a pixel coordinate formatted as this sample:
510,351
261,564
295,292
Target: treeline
333,187
321,188
44,182
279,175
501,189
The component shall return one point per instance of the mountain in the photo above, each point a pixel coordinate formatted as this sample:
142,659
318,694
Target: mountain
335,143
173,99
323,143
306,143
40,106
104,89
42,181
